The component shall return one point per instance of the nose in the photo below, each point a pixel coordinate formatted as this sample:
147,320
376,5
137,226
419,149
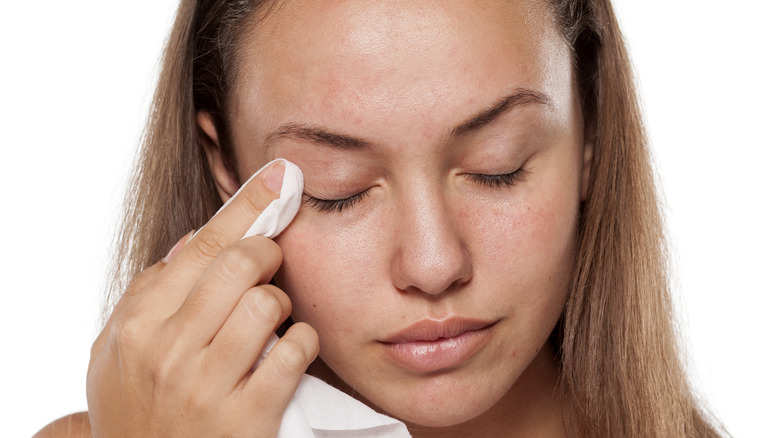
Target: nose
430,253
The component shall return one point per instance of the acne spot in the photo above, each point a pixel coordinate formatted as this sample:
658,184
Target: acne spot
314,305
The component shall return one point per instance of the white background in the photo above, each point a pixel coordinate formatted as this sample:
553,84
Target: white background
75,81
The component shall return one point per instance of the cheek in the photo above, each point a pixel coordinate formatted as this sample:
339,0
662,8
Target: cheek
329,271
524,232
523,249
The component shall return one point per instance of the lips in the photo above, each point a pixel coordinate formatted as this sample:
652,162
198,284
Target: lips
431,345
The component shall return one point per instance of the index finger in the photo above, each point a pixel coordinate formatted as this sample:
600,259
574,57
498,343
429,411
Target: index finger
256,209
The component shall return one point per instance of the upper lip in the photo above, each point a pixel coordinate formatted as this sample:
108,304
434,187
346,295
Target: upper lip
432,330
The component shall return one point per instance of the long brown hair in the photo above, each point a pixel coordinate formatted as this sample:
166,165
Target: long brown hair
619,352
617,343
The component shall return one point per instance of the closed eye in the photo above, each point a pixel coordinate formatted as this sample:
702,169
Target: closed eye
500,180
334,205
488,180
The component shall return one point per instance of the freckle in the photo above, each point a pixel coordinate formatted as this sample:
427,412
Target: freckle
314,305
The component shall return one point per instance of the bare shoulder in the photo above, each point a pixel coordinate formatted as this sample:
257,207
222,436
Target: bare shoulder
71,426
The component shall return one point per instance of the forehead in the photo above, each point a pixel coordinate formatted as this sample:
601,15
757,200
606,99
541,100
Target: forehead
418,63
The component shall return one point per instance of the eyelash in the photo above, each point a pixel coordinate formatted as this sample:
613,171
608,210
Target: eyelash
335,205
492,181
500,181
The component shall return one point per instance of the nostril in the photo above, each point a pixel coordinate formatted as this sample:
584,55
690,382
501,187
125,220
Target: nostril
444,271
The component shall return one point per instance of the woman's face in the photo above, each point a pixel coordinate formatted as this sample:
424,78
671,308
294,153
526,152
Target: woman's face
442,149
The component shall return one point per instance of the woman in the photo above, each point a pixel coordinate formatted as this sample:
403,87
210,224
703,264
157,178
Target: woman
479,252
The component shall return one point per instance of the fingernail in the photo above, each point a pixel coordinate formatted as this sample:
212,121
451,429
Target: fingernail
274,176
176,248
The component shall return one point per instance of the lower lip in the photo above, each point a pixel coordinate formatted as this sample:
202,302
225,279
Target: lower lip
438,355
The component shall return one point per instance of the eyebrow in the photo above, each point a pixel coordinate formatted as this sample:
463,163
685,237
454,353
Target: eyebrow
321,135
316,134
522,96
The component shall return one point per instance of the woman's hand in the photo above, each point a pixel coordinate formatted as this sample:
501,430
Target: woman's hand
175,357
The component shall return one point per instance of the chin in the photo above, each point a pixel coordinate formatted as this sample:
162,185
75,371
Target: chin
440,419
440,404
431,402
453,416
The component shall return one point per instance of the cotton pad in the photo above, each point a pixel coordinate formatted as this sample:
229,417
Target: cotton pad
281,211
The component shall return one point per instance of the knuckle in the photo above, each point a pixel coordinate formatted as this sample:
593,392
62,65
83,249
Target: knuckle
96,348
264,250
274,253
308,338
265,246
238,261
141,280
209,243
291,359
128,334
281,297
258,200
263,305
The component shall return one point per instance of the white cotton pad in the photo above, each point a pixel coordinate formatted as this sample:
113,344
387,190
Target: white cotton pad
281,211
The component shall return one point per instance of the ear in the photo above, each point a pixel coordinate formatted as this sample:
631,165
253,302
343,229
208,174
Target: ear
587,158
224,179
